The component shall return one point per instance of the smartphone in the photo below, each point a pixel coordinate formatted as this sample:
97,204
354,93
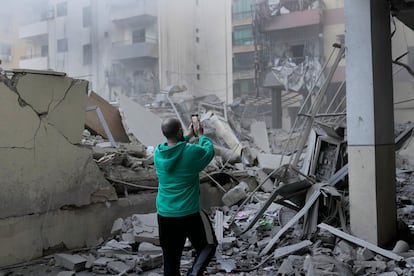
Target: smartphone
196,123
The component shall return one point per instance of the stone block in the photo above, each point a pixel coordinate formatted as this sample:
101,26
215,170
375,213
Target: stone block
117,227
150,262
119,267
146,228
71,262
236,194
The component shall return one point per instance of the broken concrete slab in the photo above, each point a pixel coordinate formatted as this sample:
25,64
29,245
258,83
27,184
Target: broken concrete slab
149,248
270,162
54,226
57,97
118,227
142,123
114,246
112,118
150,262
364,254
227,265
343,235
71,262
289,249
41,167
261,176
291,265
119,267
146,228
236,194
301,213
260,137
223,130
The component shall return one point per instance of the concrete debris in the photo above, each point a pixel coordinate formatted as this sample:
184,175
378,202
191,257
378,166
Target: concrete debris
119,268
236,194
71,262
111,116
138,121
363,243
145,228
117,227
260,137
272,216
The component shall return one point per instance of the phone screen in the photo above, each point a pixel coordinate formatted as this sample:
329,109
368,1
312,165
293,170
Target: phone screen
196,122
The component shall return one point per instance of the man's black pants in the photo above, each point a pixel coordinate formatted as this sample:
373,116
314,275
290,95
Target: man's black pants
173,232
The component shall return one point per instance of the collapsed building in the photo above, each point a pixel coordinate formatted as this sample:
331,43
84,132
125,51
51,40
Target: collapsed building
279,216
51,184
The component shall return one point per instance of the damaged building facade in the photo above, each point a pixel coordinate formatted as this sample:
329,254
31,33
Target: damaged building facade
276,210
51,185
132,47
280,46
111,44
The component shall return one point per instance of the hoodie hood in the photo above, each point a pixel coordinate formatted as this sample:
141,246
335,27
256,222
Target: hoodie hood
167,155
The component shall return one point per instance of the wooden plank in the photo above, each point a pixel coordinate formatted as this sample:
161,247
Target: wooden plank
112,118
360,242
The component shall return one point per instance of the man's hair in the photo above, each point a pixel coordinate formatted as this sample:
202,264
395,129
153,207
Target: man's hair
170,128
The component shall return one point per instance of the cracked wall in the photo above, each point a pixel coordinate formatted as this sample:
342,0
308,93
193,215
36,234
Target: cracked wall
42,168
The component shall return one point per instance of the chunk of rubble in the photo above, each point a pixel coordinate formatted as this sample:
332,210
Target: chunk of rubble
118,267
236,194
145,228
71,262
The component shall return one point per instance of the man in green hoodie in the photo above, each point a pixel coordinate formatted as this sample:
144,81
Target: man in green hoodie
178,164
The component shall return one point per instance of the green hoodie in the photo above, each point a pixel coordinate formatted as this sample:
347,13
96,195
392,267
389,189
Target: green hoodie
177,168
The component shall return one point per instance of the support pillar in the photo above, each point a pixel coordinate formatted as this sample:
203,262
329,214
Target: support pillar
370,120
276,107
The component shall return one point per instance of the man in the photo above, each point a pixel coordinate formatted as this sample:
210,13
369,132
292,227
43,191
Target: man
178,164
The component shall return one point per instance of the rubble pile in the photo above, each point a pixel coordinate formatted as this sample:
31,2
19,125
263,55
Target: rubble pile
278,202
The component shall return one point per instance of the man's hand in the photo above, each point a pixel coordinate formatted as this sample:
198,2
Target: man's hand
190,131
199,131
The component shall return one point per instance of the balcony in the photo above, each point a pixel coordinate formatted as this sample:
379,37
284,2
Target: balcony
288,14
243,45
291,20
243,75
243,49
126,50
242,18
133,12
34,62
33,30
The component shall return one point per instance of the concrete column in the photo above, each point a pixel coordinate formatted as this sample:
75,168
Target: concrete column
370,120
276,107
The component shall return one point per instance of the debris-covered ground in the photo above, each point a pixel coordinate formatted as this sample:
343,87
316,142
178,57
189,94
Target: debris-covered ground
270,218
278,200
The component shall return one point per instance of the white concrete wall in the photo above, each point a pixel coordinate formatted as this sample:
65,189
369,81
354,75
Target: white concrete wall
180,53
42,168
27,237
